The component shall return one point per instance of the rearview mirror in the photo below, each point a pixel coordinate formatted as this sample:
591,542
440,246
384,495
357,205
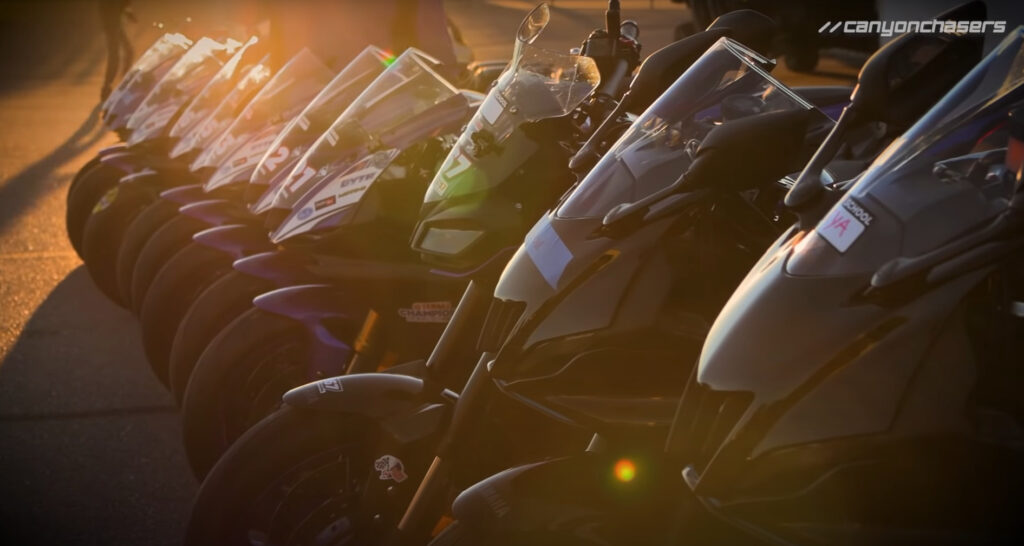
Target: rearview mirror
663,67
533,24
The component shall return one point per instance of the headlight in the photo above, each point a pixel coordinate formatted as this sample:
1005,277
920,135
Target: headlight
448,241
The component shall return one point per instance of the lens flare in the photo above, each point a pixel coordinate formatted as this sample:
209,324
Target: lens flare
625,470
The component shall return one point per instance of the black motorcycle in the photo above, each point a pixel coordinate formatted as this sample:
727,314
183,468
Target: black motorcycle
893,416
409,416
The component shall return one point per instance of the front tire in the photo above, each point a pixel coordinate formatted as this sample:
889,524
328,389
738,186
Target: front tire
238,380
92,181
173,290
138,233
295,478
167,241
224,301
104,231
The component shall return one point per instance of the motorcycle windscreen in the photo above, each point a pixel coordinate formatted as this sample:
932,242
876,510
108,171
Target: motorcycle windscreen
182,83
280,100
320,113
334,201
406,89
728,82
207,131
938,181
141,77
538,84
217,88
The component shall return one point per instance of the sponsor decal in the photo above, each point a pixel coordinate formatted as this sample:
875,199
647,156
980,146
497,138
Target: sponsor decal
331,384
332,137
547,251
304,213
390,468
845,225
325,202
491,109
429,311
239,162
302,122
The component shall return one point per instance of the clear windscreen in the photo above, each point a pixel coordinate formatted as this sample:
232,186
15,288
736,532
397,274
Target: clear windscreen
217,88
320,113
281,99
404,90
728,82
214,125
538,84
147,71
181,83
945,176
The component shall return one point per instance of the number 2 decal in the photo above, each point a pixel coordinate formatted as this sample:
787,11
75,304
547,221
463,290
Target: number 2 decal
274,160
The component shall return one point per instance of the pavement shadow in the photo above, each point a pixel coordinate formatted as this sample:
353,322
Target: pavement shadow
21,191
91,441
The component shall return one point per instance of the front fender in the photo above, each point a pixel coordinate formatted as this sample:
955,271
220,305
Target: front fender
146,177
328,314
112,149
184,195
311,302
237,240
124,161
283,267
577,495
399,403
218,212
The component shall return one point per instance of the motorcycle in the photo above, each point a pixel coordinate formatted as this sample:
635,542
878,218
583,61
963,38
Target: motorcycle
146,148
212,233
826,438
150,67
109,221
366,173
408,410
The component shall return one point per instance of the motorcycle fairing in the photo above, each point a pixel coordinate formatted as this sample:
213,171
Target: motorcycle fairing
236,240
144,74
178,87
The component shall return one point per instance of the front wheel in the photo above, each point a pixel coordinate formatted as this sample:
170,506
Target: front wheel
136,235
238,380
103,233
88,187
168,298
295,479
211,312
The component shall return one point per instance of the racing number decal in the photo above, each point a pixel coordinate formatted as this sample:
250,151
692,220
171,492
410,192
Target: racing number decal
274,160
301,178
461,164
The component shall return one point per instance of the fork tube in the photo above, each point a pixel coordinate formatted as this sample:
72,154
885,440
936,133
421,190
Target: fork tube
443,363
428,503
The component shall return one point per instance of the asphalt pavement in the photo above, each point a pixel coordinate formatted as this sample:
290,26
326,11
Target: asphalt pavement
89,440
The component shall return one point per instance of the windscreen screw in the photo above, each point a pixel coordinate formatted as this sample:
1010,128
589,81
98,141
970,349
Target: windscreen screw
377,518
513,110
391,490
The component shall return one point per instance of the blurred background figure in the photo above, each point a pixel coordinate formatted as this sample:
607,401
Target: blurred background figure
119,48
